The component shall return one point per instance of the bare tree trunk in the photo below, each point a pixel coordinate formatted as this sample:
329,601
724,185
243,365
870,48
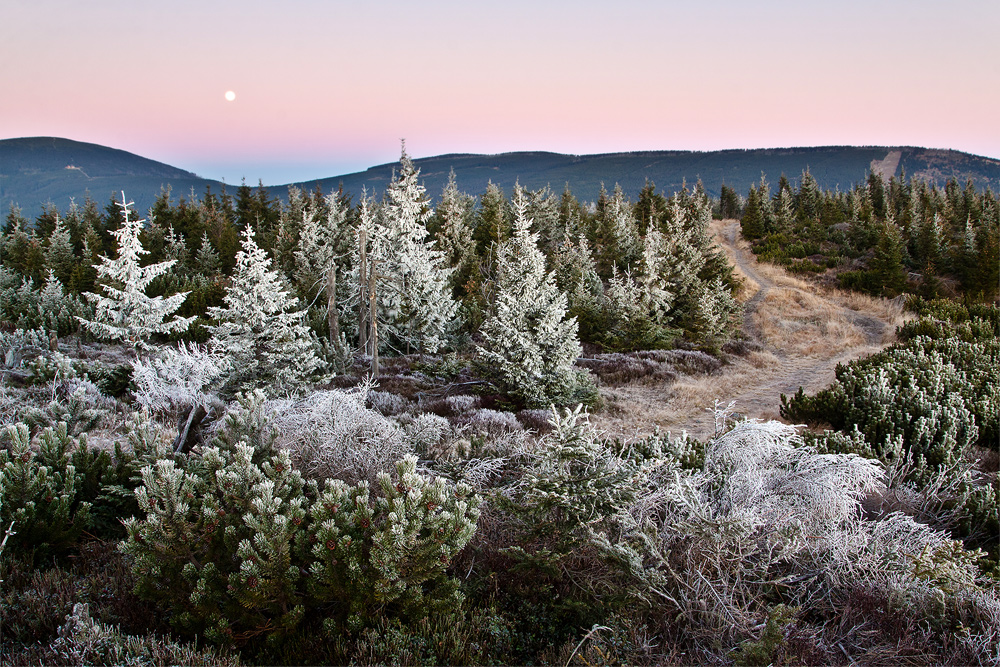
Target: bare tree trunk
363,279
332,317
374,321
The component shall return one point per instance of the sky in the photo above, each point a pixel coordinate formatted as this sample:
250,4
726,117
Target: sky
324,87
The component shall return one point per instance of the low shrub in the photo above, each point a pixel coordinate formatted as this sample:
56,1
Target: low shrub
237,545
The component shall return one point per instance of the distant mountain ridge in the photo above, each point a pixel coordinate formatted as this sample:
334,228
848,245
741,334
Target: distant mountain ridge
37,170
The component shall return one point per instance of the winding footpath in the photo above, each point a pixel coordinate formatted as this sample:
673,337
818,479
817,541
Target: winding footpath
799,332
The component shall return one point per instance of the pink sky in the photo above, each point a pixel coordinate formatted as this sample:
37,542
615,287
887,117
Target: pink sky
327,87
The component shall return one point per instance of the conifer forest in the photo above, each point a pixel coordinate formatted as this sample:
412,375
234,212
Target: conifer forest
339,429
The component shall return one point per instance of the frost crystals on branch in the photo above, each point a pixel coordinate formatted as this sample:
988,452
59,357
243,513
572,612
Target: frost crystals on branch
126,313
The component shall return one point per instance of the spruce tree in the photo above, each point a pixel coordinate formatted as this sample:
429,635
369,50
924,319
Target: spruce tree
59,256
125,313
454,234
207,259
261,327
887,263
417,302
618,233
528,344
752,222
492,221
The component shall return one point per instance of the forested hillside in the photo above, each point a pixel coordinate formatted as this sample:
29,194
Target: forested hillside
39,171
340,428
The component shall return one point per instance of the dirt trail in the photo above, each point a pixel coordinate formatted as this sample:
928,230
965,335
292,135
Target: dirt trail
800,332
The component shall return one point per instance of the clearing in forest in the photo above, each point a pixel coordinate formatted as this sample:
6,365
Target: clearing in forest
796,333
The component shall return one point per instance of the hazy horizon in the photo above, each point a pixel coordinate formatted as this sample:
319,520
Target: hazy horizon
326,88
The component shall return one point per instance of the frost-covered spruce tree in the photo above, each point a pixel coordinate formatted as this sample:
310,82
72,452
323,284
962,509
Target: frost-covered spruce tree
322,238
261,327
576,273
417,296
125,313
618,233
454,235
528,343
59,255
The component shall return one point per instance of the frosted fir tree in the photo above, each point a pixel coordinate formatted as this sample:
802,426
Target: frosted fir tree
207,259
262,327
59,256
618,233
543,209
417,300
322,239
784,214
454,236
576,273
125,313
528,343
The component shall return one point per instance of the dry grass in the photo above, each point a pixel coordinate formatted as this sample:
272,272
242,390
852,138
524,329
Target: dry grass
799,332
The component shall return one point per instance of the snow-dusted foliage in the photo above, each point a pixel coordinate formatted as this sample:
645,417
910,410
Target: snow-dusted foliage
125,313
759,472
235,542
454,235
765,511
428,430
617,231
416,297
528,344
322,239
60,258
576,272
50,307
261,328
179,377
332,434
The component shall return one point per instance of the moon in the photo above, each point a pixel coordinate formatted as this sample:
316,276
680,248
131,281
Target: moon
230,96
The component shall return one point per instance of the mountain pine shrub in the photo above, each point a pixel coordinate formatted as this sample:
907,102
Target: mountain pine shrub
237,544
40,492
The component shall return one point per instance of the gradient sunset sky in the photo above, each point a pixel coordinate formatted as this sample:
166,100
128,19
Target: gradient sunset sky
326,87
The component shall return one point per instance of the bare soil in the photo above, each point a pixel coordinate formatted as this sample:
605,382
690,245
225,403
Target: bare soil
797,333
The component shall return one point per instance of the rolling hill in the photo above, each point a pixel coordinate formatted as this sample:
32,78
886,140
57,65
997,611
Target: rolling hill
37,170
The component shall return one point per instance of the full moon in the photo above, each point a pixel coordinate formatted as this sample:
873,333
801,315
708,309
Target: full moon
230,96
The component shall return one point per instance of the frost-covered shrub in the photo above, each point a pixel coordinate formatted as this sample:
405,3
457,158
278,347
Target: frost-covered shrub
766,511
38,492
940,396
48,306
692,362
493,422
214,539
537,420
428,430
462,403
387,403
84,641
51,367
21,346
333,434
388,552
178,378
78,404
237,544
